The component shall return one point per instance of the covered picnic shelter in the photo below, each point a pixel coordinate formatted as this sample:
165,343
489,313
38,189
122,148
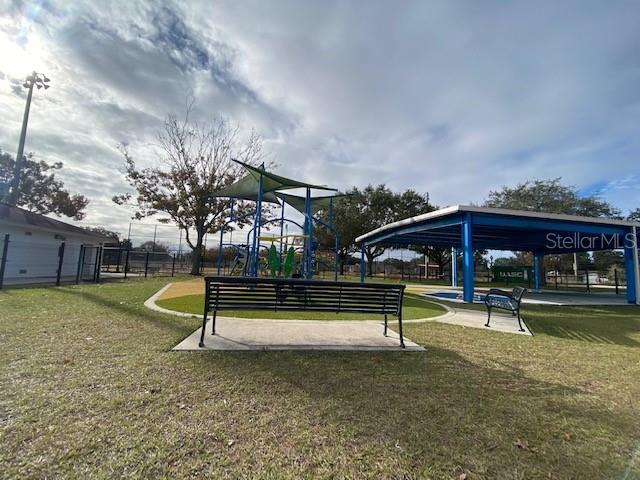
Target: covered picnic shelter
471,228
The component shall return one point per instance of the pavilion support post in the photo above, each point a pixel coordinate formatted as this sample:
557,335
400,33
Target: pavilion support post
536,270
631,267
467,259
454,267
362,265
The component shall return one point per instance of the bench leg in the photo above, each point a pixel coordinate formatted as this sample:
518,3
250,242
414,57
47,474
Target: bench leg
204,324
385,324
400,331
488,317
213,323
519,322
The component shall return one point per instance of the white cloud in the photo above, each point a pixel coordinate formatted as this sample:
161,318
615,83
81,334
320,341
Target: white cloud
454,99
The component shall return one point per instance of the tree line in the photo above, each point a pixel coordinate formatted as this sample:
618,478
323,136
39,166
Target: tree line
195,159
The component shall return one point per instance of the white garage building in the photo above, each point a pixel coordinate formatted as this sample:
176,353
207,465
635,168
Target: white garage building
39,249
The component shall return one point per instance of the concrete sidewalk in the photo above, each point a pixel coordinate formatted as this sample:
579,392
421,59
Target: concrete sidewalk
477,319
267,334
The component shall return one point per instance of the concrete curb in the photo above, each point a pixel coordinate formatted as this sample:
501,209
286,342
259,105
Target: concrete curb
446,317
150,303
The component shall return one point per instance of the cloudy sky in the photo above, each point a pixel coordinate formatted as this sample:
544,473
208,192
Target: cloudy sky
454,98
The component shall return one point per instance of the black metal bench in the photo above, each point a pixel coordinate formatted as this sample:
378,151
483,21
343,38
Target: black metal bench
503,300
248,293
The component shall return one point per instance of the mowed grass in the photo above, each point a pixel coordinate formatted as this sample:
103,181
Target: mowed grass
412,308
90,389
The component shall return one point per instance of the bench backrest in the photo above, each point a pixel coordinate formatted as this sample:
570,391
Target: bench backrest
249,293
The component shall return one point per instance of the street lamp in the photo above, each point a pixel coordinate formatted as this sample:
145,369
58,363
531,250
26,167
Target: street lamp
39,80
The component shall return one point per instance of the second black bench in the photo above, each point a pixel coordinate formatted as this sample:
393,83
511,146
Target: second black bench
502,300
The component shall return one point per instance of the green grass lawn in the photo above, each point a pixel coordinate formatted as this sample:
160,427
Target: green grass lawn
412,308
90,389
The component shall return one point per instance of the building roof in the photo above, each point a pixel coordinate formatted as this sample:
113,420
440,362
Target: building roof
19,216
493,228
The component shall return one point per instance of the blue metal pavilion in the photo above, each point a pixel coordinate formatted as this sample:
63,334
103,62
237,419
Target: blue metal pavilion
478,228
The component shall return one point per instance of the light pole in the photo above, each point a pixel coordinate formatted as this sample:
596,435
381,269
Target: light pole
39,80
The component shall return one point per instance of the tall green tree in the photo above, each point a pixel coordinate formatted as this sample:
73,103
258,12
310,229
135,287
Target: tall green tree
441,256
382,206
196,161
40,190
368,209
550,196
604,260
377,209
348,224
104,232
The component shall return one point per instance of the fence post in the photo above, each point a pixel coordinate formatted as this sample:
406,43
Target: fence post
80,264
146,264
99,262
119,260
173,265
126,264
60,260
615,276
587,281
95,266
3,262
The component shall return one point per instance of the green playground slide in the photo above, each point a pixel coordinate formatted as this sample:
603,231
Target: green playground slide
274,261
289,263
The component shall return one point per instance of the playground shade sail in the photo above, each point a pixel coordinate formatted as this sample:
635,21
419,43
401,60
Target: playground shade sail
245,189
248,187
317,203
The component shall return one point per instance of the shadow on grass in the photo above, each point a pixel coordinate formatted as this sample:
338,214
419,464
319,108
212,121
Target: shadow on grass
436,407
138,312
607,325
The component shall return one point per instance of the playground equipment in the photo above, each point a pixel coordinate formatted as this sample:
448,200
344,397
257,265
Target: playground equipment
261,186
282,262
240,260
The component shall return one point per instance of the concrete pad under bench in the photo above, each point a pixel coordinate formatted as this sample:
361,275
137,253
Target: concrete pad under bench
265,334
477,319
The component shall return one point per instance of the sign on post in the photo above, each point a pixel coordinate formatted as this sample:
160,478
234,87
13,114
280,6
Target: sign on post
512,274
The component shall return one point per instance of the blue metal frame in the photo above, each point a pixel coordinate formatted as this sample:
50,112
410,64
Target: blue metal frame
308,218
630,270
536,270
454,267
233,219
253,256
337,244
467,258
362,264
478,230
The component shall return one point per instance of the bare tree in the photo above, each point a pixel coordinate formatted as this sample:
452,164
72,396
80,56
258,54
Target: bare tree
197,161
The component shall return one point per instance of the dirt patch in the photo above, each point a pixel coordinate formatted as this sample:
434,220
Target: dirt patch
180,289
